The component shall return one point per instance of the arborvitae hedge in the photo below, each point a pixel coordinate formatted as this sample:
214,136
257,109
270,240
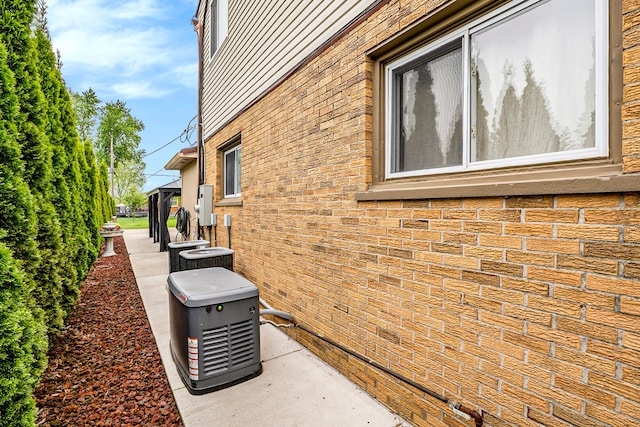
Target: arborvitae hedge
23,342
51,270
48,174
59,128
31,122
108,204
93,215
22,346
17,217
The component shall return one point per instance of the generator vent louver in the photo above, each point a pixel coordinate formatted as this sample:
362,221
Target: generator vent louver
227,346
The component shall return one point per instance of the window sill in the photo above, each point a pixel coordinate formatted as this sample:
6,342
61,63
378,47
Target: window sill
229,202
593,180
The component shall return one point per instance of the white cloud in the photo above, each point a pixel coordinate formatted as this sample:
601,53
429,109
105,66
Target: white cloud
133,48
127,51
100,15
184,74
140,89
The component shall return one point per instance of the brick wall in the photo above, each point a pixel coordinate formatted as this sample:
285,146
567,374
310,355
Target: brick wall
525,307
631,95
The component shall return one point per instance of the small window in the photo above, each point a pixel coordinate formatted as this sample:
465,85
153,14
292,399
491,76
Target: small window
426,110
524,85
219,23
232,171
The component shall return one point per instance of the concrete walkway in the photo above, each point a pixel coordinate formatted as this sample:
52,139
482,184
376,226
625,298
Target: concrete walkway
295,388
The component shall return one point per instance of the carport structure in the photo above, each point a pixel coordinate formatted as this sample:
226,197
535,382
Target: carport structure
159,209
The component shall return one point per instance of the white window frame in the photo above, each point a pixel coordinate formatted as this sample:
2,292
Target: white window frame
601,148
237,191
219,27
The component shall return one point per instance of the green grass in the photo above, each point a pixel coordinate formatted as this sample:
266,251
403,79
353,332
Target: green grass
133,223
138,223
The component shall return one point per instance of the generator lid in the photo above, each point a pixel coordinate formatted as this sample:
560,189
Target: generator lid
189,244
209,286
205,253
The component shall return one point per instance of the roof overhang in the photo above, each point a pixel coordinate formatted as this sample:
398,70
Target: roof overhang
182,159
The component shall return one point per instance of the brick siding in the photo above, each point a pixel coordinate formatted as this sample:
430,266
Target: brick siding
525,307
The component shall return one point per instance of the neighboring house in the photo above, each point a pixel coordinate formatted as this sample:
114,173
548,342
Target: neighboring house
447,188
185,161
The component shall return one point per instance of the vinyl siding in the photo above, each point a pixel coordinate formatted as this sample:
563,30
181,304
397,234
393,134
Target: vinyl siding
287,31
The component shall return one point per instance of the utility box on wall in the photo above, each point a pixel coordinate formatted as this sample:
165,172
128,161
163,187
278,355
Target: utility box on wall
214,328
205,204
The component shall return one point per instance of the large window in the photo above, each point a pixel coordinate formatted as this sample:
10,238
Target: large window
526,84
232,171
219,23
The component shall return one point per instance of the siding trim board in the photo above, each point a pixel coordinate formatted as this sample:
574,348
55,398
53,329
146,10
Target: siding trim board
597,180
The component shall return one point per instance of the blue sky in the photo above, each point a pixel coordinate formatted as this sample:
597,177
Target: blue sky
142,52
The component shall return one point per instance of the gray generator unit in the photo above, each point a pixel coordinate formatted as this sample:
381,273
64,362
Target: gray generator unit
214,328
176,247
206,257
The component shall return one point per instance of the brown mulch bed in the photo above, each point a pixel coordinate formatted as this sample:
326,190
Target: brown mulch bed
105,369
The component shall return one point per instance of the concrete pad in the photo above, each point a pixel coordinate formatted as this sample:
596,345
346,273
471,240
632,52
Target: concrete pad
275,343
296,388
153,289
145,265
